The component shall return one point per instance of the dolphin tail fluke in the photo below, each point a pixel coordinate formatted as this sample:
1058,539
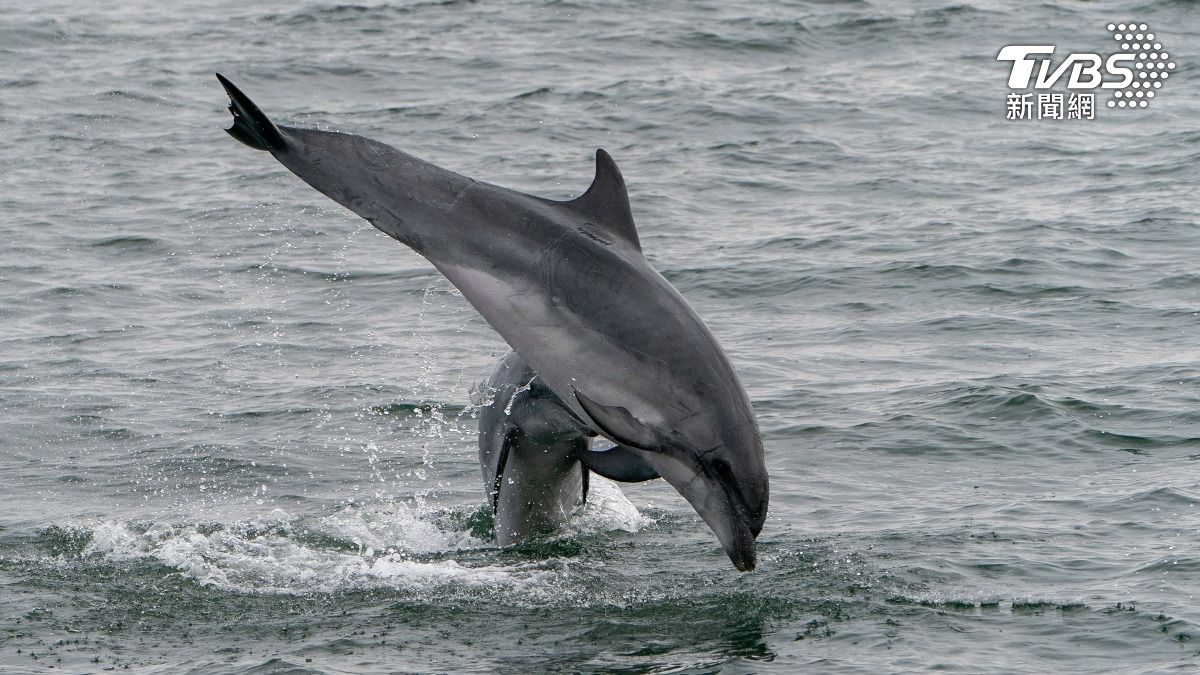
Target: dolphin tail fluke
250,125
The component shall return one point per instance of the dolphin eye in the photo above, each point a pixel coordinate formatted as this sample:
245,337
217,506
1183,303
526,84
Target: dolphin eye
723,470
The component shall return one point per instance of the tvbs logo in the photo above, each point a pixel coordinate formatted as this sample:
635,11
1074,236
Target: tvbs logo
1132,76
1085,68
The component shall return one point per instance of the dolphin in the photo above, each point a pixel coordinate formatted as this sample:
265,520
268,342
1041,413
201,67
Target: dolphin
537,457
529,449
567,287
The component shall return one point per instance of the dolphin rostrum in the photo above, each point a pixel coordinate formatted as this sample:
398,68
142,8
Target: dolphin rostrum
566,285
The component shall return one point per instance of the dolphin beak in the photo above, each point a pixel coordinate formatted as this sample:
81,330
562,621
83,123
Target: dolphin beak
734,507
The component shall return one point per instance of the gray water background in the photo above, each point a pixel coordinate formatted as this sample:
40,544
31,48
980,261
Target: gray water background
237,432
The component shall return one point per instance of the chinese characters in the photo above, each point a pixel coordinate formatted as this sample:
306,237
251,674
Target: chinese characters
1050,106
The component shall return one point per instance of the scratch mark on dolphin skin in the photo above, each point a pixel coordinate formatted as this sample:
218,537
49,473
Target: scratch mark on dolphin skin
648,358
593,236
458,197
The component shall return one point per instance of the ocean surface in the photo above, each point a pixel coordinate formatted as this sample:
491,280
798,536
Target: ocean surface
238,424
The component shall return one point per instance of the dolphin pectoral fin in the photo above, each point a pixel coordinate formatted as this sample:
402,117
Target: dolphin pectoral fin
621,463
250,125
606,202
620,425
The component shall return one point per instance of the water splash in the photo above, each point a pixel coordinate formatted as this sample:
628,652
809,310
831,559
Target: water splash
389,545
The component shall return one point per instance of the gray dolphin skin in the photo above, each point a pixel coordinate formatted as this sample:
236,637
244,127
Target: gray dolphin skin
566,285
529,449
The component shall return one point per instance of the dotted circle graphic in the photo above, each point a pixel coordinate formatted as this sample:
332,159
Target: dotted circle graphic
1150,64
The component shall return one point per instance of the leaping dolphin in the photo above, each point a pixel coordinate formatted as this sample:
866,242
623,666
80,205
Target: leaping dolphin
566,285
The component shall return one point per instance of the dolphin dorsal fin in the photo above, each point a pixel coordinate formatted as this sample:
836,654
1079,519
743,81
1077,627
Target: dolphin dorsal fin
606,203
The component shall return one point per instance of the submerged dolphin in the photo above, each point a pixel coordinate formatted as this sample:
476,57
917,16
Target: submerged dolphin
566,285
536,456
529,452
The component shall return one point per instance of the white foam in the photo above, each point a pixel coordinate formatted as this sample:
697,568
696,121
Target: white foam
398,527
607,509
267,557
394,546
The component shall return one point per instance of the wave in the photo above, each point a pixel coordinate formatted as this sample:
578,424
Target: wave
394,546
128,243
